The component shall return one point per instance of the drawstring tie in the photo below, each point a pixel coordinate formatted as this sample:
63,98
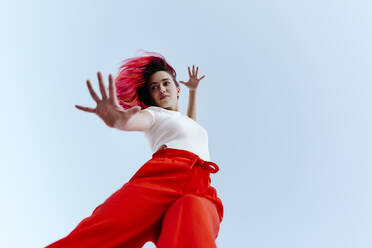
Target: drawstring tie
212,167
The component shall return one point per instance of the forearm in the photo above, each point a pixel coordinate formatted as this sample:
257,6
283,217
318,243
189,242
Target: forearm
121,123
140,121
191,110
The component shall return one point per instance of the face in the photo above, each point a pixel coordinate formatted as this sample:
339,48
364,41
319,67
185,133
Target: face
164,91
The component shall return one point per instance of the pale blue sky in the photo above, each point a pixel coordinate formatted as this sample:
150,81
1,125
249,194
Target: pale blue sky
286,102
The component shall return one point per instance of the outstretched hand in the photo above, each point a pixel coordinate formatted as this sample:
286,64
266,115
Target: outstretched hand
193,82
108,108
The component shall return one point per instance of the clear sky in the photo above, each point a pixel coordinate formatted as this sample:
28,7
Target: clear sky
286,102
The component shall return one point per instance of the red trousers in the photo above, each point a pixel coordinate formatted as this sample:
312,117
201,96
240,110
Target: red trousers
168,201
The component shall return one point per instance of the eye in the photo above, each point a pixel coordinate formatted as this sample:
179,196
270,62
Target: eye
153,87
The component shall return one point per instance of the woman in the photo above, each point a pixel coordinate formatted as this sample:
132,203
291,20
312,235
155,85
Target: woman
169,200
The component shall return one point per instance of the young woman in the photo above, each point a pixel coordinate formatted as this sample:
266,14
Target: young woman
169,200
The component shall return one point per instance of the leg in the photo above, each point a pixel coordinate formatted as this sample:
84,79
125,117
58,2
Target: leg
128,218
191,221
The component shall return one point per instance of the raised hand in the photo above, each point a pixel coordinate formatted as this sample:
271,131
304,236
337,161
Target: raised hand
108,108
193,82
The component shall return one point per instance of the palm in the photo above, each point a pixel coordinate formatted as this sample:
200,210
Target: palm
193,82
108,108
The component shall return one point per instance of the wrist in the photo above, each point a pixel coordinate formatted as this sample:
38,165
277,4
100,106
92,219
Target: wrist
120,121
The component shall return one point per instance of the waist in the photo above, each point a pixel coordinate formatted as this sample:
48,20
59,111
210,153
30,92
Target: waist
196,160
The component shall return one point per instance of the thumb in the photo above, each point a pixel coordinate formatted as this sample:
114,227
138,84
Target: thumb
182,82
134,110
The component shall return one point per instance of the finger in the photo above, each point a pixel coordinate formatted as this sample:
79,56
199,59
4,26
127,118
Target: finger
189,71
92,92
193,70
101,85
86,109
202,77
112,89
196,74
113,94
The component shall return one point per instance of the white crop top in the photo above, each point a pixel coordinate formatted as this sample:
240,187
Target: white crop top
178,131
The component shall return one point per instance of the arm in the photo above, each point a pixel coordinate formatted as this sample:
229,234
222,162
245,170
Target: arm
140,121
191,110
192,84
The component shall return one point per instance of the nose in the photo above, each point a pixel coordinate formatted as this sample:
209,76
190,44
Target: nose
162,89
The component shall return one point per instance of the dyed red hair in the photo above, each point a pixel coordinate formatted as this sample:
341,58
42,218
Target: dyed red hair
133,77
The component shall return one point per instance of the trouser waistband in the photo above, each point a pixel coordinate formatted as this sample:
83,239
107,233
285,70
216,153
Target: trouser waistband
169,152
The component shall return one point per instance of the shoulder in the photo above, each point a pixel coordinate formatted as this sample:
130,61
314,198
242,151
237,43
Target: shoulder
158,114
153,109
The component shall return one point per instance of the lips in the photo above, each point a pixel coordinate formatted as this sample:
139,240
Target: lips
162,97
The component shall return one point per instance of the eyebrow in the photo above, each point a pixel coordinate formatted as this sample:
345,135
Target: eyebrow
161,80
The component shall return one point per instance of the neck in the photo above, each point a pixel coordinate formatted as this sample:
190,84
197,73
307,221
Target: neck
173,108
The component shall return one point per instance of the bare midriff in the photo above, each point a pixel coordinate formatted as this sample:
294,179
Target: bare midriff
162,146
